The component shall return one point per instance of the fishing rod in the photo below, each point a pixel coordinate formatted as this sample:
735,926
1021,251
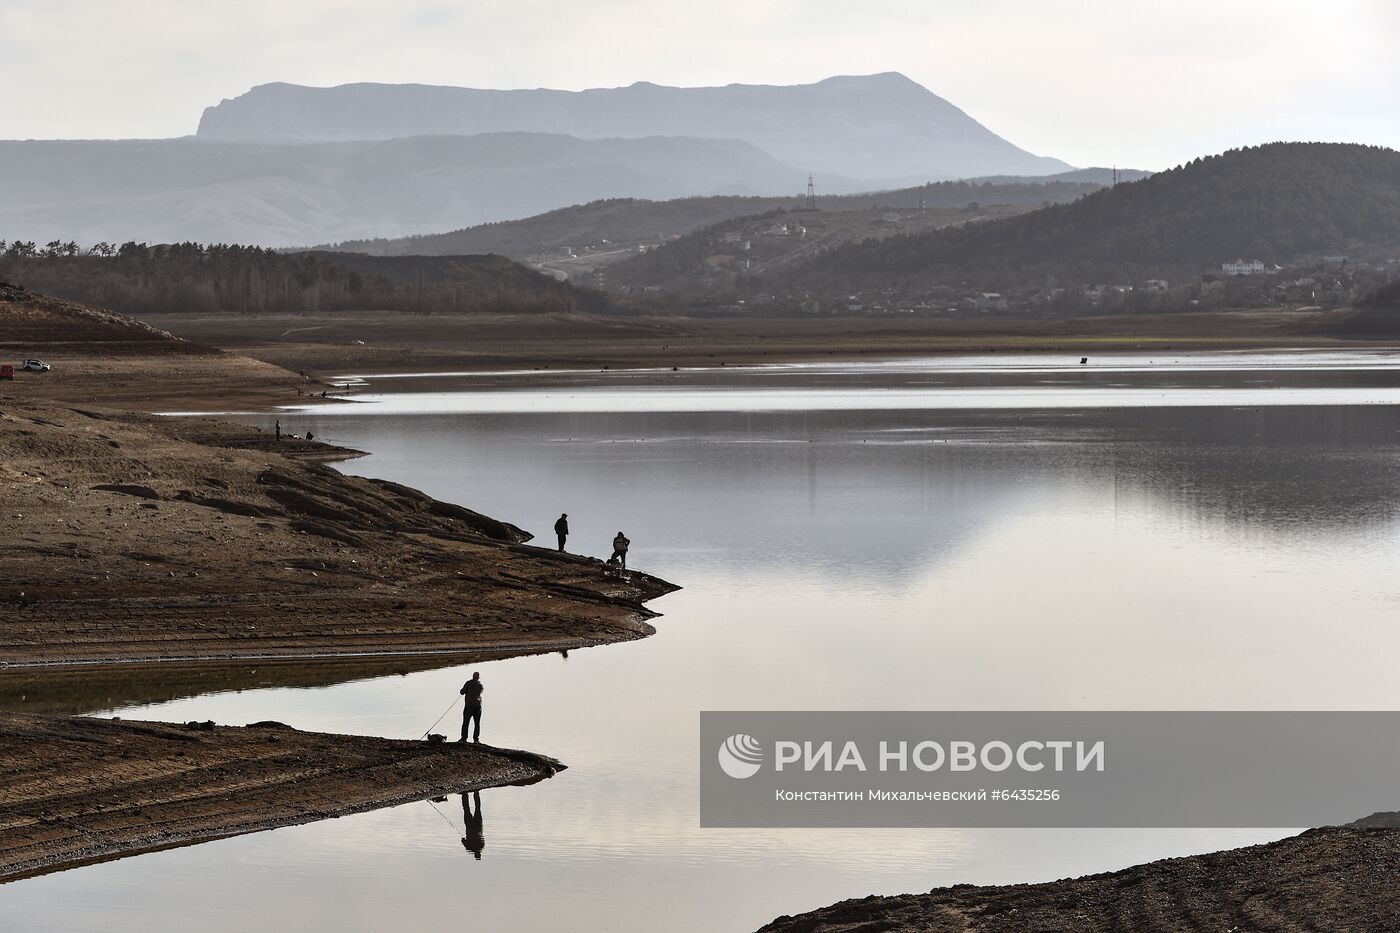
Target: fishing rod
438,720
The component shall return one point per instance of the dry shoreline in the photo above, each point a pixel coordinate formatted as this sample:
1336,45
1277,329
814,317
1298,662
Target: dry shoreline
135,538
1337,878
79,791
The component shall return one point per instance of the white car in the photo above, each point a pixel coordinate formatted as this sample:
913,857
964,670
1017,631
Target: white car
35,366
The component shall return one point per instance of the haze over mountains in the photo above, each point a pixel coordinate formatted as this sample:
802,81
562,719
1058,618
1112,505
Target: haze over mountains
284,165
880,128
166,191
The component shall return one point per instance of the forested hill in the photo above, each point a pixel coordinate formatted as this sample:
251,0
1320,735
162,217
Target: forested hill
191,278
629,221
1277,203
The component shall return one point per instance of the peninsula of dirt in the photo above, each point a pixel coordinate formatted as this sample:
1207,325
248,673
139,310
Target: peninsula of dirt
85,790
138,538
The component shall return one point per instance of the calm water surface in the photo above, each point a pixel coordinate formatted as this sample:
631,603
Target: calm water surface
849,537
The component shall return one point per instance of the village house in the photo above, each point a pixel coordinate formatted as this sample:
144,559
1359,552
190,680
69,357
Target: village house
1243,267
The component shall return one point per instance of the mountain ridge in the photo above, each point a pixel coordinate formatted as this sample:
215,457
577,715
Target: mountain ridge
624,221
880,128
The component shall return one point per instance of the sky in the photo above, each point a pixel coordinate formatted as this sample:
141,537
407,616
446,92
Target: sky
1137,84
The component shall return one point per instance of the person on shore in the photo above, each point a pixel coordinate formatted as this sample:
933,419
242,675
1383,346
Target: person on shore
278,428
561,529
471,713
619,554
475,839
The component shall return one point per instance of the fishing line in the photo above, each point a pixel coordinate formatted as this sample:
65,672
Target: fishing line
444,816
438,720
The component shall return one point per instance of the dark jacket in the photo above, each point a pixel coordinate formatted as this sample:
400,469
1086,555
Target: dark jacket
561,527
472,690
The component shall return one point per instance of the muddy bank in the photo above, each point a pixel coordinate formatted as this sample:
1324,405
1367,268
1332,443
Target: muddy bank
85,790
1326,879
331,344
138,538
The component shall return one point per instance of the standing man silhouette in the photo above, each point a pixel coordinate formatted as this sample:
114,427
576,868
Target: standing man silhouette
471,713
561,528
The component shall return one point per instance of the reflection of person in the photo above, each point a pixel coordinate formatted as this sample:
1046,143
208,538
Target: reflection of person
561,528
475,839
471,712
619,553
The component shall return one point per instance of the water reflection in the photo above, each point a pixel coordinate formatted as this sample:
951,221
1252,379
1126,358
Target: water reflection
475,839
888,493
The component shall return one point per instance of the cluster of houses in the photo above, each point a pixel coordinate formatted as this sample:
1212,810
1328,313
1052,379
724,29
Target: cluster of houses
1327,282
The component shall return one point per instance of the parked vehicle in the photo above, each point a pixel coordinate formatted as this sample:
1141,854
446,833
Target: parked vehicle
35,366
7,371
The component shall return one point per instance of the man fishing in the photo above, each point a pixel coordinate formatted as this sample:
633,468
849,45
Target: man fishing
471,713
561,528
619,554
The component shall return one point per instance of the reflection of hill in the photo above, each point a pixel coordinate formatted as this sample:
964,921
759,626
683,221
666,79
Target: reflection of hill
885,493
1302,469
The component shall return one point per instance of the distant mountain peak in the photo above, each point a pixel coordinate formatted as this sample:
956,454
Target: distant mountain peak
884,127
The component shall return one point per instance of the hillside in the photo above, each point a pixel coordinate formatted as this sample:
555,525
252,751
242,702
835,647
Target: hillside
713,261
634,221
178,190
881,127
190,278
1279,203
30,322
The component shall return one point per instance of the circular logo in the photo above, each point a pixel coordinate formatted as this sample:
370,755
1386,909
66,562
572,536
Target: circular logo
741,756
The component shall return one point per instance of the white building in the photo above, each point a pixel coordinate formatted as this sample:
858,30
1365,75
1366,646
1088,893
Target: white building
1243,267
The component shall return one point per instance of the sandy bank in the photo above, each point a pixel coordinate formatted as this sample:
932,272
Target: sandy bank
1326,879
85,790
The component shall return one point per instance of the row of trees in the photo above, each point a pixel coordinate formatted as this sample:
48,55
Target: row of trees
137,278
28,249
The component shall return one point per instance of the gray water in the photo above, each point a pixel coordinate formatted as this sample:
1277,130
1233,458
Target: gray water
849,537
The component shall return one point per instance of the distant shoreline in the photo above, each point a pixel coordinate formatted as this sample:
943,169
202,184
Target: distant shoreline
328,345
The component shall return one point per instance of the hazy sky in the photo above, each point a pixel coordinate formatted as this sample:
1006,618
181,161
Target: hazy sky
1144,84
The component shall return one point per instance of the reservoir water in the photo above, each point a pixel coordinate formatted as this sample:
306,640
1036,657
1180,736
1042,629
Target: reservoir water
1209,531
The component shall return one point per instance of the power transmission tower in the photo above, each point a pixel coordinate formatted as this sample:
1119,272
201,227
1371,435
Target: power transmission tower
811,195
